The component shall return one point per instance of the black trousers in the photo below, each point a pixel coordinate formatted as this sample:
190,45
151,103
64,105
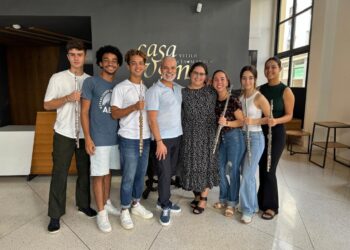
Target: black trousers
63,149
268,190
166,169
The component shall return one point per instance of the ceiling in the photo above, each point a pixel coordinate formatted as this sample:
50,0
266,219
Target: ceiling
44,30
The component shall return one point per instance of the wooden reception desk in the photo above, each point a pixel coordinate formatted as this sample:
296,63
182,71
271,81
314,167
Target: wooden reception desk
43,141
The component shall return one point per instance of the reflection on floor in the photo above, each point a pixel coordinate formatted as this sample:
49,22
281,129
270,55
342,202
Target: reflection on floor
314,214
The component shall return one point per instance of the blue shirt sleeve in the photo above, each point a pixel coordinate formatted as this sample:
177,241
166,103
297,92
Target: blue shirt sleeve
87,89
152,99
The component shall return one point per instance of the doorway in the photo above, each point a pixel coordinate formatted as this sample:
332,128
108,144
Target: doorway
32,48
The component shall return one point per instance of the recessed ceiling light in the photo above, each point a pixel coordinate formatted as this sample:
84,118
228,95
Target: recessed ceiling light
16,26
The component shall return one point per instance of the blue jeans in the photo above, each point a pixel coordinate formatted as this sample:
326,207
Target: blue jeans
247,193
231,151
133,168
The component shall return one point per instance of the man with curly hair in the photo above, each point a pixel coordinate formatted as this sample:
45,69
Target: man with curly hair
100,130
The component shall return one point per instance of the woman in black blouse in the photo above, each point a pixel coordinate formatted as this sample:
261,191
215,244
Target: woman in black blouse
232,146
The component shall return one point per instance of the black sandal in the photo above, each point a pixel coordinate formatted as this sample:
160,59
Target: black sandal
195,202
198,209
269,214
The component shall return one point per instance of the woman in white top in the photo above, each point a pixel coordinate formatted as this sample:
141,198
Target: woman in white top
254,104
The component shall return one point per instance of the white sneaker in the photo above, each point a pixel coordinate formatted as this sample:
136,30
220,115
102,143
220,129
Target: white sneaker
111,209
103,222
140,210
239,209
246,219
125,219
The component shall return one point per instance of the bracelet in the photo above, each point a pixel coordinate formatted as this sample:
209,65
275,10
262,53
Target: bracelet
226,123
159,140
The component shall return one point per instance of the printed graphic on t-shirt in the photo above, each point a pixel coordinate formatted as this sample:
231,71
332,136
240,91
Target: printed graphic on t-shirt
105,100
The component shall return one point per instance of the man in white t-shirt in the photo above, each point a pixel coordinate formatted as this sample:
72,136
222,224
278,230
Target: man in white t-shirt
134,137
62,96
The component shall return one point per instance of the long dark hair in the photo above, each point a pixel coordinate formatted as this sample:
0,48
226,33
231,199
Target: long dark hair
252,70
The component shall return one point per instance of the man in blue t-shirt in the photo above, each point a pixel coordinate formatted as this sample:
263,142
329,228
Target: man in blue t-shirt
100,130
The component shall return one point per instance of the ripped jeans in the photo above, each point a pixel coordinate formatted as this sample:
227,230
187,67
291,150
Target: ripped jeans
231,151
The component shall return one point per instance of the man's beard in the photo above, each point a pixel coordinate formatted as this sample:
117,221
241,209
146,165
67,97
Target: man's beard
168,77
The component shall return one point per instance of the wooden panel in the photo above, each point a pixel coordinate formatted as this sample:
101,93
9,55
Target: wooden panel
29,71
297,133
294,124
43,141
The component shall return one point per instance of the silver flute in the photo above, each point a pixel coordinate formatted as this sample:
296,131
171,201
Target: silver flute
247,133
141,123
269,140
77,113
218,131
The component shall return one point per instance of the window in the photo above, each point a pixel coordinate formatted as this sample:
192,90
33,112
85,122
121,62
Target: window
299,69
302,29
293,40
285,70
284,33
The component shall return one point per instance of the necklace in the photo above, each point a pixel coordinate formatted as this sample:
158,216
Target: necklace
139,92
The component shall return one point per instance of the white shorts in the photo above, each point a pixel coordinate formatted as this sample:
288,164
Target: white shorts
104,159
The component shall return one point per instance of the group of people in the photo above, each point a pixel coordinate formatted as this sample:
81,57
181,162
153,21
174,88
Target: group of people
180,123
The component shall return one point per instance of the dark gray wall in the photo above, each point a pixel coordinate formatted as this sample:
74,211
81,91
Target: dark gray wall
219,34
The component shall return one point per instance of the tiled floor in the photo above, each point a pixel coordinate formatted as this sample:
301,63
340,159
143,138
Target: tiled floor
314,214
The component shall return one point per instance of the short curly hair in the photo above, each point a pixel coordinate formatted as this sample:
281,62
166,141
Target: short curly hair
108,49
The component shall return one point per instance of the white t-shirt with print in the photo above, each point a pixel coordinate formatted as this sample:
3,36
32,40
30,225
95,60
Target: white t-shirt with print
125,94
62,84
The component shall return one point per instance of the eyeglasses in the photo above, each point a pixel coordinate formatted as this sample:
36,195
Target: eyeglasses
198,73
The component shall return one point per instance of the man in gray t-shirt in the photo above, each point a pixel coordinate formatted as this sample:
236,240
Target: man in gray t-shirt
100,130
